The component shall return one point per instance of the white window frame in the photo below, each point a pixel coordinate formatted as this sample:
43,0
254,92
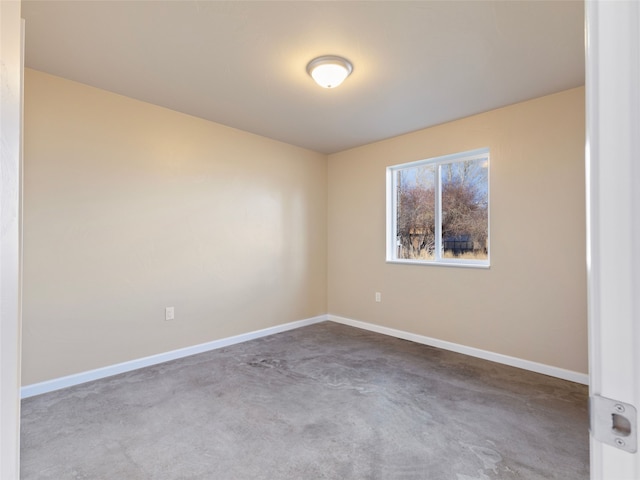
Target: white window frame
391,254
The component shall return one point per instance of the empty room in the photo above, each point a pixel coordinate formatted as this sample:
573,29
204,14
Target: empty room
236,266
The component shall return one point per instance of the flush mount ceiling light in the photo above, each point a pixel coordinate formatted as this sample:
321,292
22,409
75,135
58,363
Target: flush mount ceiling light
329,71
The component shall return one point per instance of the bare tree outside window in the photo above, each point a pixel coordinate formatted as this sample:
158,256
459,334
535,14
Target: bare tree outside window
416,212
465,209
441,209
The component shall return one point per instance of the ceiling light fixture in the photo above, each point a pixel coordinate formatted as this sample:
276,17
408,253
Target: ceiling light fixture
329,71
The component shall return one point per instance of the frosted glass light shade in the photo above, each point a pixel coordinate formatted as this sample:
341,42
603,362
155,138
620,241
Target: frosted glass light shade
329,71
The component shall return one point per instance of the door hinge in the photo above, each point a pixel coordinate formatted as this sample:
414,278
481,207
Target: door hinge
614,423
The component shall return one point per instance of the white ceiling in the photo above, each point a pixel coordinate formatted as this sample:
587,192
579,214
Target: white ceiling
242,64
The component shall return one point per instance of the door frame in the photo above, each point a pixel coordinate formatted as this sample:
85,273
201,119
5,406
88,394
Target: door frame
11,48
613,217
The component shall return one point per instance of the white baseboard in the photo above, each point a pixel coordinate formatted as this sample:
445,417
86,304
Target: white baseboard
570,375
83,377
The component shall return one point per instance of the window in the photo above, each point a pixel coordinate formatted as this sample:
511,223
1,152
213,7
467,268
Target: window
438,210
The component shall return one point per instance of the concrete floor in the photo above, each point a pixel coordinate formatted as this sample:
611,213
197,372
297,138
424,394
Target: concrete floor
321,402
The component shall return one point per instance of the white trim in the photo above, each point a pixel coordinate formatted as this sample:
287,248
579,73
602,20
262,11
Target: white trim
613,217
570,375
391,219
449,262
104,372
476,154
11,95
83,377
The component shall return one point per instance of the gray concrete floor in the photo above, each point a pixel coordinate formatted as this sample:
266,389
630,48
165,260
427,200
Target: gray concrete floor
321,402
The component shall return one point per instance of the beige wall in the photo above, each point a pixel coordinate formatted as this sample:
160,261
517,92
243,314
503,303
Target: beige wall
531,303
130,208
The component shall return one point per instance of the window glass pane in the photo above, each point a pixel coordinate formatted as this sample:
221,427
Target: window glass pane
465,218
415,213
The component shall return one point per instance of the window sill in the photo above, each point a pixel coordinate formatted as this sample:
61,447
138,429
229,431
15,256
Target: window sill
442,263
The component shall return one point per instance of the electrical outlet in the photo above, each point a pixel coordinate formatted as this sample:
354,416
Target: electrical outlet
378,297
169,313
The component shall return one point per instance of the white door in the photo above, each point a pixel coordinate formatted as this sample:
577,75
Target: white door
613,229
